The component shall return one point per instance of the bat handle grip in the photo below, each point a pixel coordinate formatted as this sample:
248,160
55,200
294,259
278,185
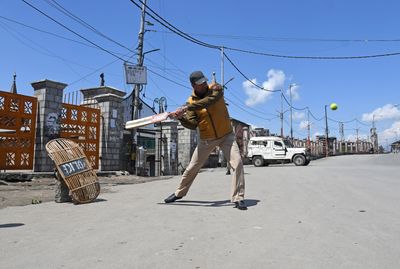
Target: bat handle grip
179,112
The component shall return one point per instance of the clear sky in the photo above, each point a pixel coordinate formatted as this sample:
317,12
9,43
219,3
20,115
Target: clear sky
35,47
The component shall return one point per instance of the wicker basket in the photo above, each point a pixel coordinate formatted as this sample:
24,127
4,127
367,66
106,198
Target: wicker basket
74,167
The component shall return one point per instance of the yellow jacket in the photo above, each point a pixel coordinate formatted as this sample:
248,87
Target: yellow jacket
209,113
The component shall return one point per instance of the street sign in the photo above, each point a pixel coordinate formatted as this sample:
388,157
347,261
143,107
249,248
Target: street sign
73,167
135,74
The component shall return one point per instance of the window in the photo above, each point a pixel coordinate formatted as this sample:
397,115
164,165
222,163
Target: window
259,143
278,144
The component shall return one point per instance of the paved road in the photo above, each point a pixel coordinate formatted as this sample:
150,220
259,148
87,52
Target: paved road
340,212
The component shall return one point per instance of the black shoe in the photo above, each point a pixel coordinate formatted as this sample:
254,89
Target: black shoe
172,198
240,205
228,173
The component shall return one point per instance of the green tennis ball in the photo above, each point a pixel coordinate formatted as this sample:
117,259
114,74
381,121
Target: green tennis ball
333,106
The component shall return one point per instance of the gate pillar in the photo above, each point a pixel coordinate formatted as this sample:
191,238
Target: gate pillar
49,95
109,101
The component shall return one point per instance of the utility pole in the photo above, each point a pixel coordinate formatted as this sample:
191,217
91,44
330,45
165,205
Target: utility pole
341,131
137,88
374,138
373,121
356,140
308,128
291,113
326,134
135,100
222,65
281,114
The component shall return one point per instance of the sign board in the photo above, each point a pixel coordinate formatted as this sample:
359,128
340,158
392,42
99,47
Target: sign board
73,167
135,74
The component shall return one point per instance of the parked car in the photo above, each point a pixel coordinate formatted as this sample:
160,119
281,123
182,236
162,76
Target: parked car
265,150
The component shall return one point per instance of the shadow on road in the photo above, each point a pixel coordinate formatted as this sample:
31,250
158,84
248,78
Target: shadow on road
249,203
97,200
11,225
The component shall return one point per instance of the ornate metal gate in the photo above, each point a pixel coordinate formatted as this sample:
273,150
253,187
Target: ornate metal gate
17,131
82,125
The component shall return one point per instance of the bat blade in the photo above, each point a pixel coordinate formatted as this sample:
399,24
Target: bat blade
146,121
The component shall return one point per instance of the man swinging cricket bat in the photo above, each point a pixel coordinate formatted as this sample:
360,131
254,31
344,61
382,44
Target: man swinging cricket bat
207,112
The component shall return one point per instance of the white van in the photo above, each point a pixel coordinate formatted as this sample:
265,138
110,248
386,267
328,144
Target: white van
263,150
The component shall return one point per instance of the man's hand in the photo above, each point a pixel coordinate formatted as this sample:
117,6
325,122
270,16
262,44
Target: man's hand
177,114
215,86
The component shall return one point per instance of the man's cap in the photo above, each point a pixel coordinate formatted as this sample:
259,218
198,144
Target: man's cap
198,78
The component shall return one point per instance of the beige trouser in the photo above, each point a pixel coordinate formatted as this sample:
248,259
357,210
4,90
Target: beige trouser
232,154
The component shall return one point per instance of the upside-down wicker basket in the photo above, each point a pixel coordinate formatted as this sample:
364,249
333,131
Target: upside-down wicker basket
74,167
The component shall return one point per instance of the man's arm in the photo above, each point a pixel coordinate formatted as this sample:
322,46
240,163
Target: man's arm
216,93
189,120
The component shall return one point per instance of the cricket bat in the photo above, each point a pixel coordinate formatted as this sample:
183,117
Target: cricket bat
148,120
159,117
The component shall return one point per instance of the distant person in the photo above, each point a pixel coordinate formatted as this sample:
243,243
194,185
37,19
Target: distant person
228,169
206,110
222,160
220,157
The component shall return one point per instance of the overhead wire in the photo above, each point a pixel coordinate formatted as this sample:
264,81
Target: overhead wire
168,60
315,118
190,38
162,69
46,32
362,123
92,28
69,14
289,104
248,107
44,51
51,54
315,57
170,80
337,121
168,25
165,94
288,39
93,72
249,80
355,119
248,112
72,31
